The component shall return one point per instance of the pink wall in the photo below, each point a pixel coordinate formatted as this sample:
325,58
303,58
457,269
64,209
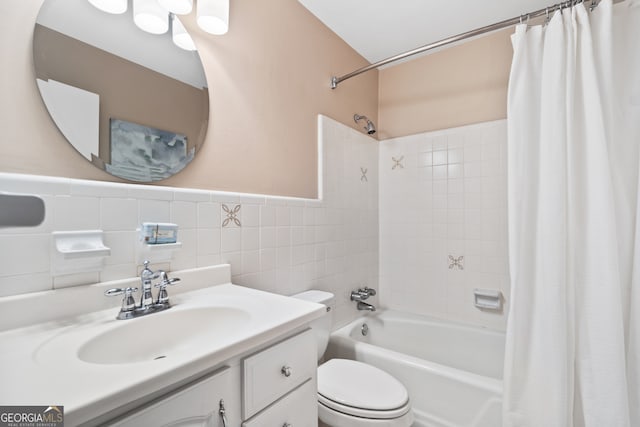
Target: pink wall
268,80
456,86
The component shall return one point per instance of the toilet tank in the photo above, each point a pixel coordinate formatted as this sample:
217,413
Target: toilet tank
320,327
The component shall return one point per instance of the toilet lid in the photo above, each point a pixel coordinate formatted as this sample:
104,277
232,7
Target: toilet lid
358,385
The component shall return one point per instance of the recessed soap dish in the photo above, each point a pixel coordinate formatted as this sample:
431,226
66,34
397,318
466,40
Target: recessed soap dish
488,299
78,251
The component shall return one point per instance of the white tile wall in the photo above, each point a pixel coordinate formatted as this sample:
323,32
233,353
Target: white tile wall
445,196
448,198
283,245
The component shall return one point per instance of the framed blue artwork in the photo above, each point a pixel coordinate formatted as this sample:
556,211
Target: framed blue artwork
142,153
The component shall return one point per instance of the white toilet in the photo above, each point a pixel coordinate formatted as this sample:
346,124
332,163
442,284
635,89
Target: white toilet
352,393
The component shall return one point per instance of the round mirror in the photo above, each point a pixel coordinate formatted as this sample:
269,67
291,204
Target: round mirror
135,104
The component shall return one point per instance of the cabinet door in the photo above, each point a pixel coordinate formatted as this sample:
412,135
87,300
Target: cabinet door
197,404
272,373
297,409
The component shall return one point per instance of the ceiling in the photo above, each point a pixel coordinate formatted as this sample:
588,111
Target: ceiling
378,29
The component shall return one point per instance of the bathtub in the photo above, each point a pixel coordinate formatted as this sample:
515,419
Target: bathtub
453,372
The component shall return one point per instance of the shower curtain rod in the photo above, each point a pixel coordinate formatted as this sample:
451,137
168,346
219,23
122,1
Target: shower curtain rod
335,80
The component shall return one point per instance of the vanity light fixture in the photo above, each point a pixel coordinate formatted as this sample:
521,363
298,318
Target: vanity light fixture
149,16
153,16
213,16
179,7
115,7
180,36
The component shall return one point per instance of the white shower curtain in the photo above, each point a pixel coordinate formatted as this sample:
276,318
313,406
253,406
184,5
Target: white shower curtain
573,335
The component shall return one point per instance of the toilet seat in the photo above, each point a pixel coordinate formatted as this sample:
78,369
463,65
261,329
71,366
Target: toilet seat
362,412
360,390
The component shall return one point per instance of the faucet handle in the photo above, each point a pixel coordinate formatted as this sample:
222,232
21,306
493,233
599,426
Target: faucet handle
119,291
128,303
359,295
369,291
362,294
163,296
165,280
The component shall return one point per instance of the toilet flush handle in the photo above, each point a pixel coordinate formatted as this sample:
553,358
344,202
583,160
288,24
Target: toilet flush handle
286,371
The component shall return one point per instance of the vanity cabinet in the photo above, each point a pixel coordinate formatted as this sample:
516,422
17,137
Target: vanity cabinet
275,386
196,404
279,384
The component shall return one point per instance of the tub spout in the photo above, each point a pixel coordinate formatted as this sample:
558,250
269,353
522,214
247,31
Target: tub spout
364,306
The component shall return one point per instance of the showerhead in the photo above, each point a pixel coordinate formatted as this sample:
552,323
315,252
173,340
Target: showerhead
369,128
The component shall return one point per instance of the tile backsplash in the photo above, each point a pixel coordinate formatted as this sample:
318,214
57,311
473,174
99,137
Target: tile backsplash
443,223
422,218
283,245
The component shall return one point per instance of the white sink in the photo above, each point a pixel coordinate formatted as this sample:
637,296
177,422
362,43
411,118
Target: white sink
161,335
78,353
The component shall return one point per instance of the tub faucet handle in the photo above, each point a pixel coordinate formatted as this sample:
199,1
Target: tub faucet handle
369,291
359,295
362,294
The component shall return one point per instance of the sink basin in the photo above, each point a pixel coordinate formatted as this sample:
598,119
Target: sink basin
161,335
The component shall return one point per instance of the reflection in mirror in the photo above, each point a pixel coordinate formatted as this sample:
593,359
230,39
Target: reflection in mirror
134,104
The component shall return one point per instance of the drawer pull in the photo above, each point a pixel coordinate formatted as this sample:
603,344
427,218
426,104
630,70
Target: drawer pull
287,425
286,371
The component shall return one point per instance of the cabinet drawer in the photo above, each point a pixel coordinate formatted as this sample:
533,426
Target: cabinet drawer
271,373
194,404
298,409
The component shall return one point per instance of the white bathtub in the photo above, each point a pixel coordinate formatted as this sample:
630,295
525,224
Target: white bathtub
453,372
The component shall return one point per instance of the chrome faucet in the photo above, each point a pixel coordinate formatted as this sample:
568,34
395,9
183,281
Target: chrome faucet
364,306
129,309
362,294
146,276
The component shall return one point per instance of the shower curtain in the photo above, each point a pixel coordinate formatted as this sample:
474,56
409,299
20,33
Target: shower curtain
573,334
